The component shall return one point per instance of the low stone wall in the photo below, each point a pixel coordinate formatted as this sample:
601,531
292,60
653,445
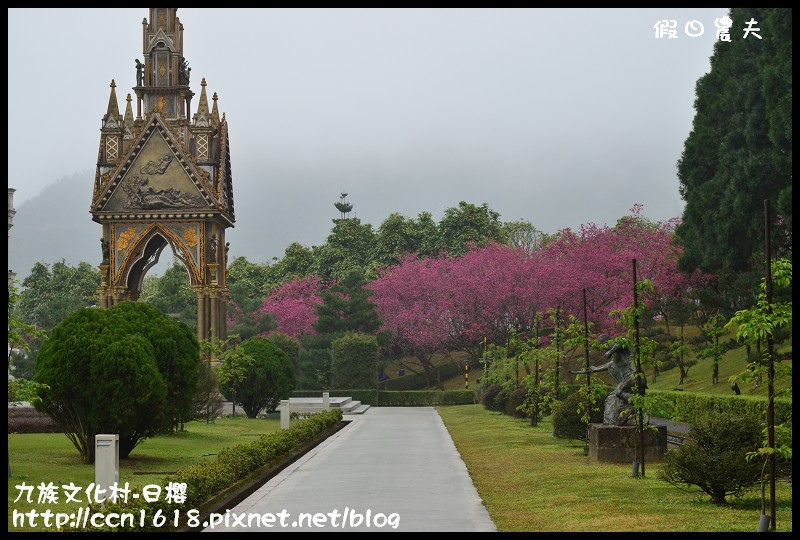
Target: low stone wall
620,443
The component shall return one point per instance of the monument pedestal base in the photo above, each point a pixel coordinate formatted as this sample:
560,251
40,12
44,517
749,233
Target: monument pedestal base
620,443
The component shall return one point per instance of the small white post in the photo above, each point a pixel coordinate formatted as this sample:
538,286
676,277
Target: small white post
285,414
106,464
326,401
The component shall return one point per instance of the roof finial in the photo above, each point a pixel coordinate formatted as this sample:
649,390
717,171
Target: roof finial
113,106
215,112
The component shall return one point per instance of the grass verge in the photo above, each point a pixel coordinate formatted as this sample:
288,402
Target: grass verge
37,458
533,482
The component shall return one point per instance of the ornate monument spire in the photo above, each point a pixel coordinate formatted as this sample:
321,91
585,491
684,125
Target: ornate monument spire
163,180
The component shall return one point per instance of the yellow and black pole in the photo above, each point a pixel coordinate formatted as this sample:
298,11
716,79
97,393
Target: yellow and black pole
485,367
466,374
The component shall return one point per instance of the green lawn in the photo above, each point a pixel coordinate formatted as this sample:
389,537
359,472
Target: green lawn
531,481
732,363
50,457
698,379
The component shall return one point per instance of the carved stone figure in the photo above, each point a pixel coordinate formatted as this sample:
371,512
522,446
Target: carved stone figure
139,73
142,195
183,71
157,167
618,411
163,198
213,248
106,251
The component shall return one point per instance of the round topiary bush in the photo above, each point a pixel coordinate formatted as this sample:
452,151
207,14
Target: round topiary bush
488,395
129,369
567,414
515,399
501,398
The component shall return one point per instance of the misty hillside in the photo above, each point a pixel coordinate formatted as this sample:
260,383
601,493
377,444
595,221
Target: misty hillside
55,225
276,204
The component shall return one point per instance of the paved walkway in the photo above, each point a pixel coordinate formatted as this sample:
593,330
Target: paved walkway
391,469
675,427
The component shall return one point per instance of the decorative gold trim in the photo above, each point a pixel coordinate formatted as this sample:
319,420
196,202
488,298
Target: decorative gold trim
190,235
125,238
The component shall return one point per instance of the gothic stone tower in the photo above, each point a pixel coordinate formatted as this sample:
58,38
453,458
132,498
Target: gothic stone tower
164,179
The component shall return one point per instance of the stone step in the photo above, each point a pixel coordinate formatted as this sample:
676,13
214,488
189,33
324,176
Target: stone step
314,404
361,409
350,405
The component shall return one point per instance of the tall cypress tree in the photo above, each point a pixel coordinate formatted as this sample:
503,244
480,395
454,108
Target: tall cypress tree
739,151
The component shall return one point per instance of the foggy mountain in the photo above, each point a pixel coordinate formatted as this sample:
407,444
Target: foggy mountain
55,225
275,203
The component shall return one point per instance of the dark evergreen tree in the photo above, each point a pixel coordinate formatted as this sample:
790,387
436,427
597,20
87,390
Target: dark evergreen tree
343,206
349,247
345,307
739,151
129,369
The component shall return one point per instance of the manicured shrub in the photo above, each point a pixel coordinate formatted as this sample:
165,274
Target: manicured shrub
489,395
289,345
129,369
257,375
713,456
568,414
501,398
686,406
29,420
515,398
418,381
401,398
354,361
206,481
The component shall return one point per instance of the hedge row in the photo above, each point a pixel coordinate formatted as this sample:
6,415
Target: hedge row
404,398
207,482
687,407
425,398
29,420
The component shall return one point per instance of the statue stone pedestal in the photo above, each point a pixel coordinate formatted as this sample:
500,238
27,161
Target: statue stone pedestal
619,443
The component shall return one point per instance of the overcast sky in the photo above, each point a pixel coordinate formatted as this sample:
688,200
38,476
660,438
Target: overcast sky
555,116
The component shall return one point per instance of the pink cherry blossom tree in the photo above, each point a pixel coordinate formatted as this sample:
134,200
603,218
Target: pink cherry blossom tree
294,305
442,304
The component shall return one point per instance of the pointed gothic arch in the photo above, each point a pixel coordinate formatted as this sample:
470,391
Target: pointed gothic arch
148,248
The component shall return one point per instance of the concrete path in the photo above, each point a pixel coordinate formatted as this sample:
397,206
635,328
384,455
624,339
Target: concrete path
676,427
391,469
